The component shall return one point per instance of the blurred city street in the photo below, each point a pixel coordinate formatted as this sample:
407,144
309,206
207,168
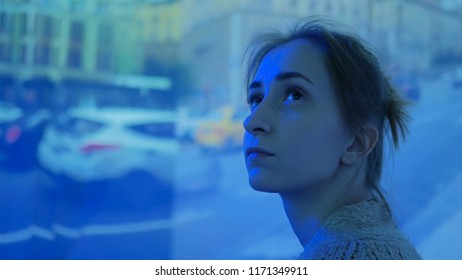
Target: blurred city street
121,126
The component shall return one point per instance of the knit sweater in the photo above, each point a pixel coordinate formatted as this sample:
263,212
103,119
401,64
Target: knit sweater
363,231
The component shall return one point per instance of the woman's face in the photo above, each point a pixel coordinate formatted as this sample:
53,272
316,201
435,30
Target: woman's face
295,135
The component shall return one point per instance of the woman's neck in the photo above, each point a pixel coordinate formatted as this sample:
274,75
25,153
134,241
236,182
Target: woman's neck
307,210
305,221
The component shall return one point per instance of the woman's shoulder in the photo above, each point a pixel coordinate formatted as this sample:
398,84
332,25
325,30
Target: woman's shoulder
361,249
365,230
369,214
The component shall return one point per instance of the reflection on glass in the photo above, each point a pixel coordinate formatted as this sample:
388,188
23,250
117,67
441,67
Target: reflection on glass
121,126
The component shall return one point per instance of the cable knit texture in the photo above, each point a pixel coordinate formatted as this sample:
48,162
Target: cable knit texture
362,231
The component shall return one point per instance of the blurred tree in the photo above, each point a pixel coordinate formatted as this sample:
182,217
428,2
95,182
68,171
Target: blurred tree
169,66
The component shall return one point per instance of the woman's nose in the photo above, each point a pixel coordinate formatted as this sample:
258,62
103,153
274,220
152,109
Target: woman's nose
258,122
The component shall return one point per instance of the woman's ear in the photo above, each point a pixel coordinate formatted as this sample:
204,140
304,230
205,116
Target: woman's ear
361,145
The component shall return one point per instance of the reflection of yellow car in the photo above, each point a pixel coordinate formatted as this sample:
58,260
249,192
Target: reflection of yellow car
221,130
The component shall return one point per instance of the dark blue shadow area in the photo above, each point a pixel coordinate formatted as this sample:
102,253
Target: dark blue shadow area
57,218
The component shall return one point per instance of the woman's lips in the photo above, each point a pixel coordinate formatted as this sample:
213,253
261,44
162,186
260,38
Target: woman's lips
254,152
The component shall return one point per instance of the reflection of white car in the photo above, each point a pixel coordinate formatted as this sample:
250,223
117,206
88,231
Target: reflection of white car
9,112
89,144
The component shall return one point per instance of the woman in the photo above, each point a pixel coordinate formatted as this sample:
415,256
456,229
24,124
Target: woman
320,109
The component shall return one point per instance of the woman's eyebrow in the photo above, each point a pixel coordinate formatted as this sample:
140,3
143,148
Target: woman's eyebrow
289,75
281,77
255,84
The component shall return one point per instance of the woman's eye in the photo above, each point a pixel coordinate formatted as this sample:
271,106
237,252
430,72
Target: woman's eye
294,94
254,100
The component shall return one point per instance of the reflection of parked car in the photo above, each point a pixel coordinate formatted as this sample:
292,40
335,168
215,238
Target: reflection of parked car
95,144
89,144
20,133
221,130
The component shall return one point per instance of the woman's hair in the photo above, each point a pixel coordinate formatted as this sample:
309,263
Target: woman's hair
362,90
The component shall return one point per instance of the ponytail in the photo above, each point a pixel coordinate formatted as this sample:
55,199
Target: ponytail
395,114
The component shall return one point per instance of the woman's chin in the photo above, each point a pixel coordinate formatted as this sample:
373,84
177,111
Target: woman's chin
260,186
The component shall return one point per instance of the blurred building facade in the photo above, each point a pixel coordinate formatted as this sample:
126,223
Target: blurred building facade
132,42
96,41
407,34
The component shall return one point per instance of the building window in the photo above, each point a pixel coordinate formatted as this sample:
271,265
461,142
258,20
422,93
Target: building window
42,54
105,47
44,26
23,54
74,58
43,34
76,34
5,52
74,55
3,22
23,23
